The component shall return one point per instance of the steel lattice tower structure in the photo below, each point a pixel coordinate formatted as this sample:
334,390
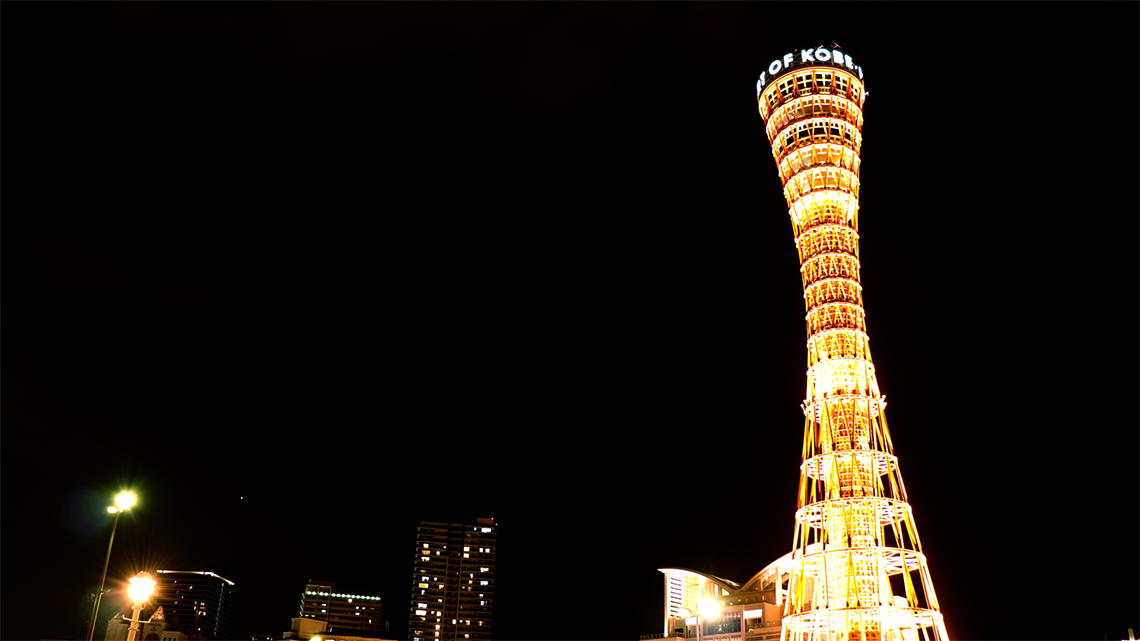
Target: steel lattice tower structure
859,571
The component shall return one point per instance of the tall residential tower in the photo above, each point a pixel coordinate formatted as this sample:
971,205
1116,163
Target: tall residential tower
453,581
199,604
857,568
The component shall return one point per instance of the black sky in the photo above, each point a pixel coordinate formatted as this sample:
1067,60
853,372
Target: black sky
304,274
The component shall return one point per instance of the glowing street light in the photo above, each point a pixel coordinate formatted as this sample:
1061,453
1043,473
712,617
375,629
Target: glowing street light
141,586
122,502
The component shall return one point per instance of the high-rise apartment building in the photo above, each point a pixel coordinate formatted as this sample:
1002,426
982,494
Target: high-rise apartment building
341,610
453,582
199,604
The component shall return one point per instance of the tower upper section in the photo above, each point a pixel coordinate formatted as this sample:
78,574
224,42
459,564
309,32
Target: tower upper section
812,104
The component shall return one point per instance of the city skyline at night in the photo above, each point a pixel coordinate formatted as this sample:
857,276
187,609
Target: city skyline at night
303,276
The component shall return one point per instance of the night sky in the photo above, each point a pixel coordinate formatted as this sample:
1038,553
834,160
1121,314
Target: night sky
302,275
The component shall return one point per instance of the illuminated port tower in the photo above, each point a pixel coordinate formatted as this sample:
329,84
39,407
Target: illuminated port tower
859,573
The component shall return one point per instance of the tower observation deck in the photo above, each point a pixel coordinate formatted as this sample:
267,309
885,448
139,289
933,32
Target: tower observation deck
859,573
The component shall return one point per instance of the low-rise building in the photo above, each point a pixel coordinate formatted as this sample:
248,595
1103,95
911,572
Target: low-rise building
341,610
699,605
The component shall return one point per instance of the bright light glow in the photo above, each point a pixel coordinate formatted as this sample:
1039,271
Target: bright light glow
125,500
710,608
141,586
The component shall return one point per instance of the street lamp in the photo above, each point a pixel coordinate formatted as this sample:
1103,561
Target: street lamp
122,502
141,586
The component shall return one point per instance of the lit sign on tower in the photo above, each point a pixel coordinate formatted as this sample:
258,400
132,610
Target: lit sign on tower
859,573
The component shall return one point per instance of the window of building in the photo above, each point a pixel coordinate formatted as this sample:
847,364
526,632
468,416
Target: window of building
786,87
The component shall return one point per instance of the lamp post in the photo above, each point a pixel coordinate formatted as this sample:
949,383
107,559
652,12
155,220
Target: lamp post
141,586
122,502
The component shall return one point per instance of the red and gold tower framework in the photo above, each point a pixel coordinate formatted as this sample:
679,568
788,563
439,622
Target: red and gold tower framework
859,570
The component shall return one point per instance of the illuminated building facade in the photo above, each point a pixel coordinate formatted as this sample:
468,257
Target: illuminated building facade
453,581
339,610
706,607
857,568
199,604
